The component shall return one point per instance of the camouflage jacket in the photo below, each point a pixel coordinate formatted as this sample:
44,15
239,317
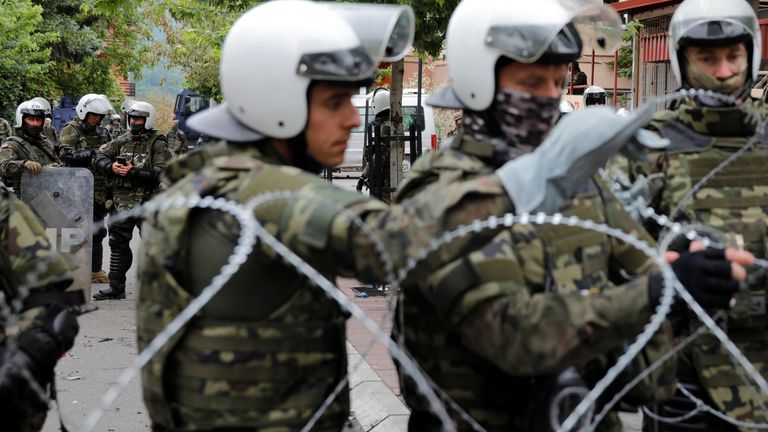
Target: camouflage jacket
5,129
26,256
526,305
75,136
16,150
149,155
177,141
733,201
114,131
269,363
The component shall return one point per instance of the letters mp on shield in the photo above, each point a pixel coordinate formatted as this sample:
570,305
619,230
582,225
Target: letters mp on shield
62,199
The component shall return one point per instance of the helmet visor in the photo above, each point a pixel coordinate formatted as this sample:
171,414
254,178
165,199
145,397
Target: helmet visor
97,105
345,65
137,113
598,26
736,19
385,31
32,112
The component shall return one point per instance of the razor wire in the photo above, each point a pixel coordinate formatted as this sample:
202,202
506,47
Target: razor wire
492,223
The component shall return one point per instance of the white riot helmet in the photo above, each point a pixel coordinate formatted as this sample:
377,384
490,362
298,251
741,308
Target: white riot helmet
92,103
114,117
566,107
126,104
595,95
274,51
714,23
44,102
143,109
380,101
480,32
28,108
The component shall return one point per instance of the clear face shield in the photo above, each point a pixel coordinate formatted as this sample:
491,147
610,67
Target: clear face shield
97,105
598,25
385,31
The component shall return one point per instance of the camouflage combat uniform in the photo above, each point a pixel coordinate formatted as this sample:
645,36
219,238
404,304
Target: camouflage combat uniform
16,150
177,141
487,327
263,356
114,131
77,137
148,153
5,129
734,201
376,170
24,246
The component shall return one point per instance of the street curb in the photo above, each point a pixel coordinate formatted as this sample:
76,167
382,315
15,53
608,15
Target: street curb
374,405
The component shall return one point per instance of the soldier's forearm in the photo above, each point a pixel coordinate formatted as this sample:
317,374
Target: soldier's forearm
546,333
410,227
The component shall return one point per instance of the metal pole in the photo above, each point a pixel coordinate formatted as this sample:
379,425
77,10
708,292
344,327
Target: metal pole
592,78
419,113
570,67
633,105
616,79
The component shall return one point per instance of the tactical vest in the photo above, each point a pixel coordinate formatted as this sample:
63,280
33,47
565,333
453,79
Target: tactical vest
735,201
242,373
140,153
92,141
36,152
545,258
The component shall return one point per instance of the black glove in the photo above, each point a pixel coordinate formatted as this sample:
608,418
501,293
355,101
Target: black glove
80,158
144,176
17,399
46,345
705,274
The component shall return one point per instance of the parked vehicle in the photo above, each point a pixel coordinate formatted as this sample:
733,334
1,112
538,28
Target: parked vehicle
423,118
187,104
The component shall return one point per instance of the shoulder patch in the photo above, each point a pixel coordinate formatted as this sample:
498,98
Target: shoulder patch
103,147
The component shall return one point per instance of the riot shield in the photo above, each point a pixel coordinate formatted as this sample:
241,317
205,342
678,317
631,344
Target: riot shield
62,199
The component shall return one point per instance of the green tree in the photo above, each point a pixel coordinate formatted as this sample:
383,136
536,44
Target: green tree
631,30
98,41
24,59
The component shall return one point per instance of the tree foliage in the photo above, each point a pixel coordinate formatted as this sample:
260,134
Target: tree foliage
195,31
52,48
23,55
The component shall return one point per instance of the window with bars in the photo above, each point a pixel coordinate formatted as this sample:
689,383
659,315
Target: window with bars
657,25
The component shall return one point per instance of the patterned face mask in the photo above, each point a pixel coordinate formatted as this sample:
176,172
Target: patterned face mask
522,120
699,78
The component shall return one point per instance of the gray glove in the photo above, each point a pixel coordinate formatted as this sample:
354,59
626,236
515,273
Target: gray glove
580,144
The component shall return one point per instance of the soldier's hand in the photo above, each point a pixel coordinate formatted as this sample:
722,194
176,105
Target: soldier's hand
120,169
580,144
33,167
711,275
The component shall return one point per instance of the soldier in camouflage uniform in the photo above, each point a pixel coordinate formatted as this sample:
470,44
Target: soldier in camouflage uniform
502,328
269,364
716,45
80,141
47,326
133,164
5,129
115,127
177,140
29,150
376,170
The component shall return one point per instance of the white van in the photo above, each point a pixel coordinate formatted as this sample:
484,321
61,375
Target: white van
353,156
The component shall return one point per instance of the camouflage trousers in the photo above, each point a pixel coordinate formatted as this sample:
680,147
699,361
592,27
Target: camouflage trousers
120,235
